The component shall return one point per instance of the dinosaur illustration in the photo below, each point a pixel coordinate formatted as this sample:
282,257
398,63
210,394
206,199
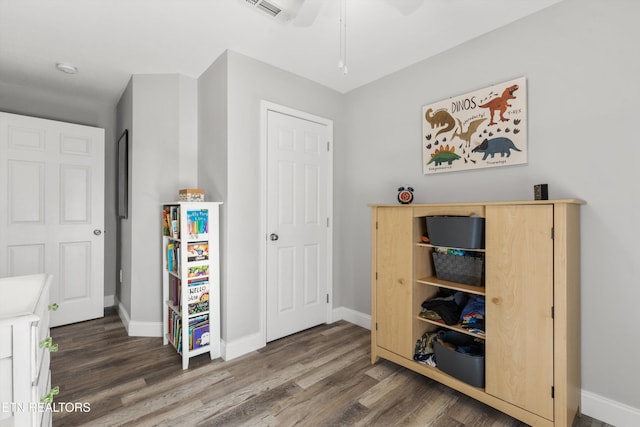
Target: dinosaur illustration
466,136
496,145
440,118
500,104
443,155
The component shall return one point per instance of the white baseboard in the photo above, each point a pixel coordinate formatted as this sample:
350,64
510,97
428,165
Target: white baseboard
245,345
109,301
136,328
609,411
231,350
122,313
144,329
352,316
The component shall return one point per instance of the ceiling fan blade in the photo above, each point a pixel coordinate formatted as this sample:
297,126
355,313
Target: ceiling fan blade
308,13
406,7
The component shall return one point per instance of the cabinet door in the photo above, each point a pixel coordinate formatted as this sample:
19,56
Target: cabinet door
519,290
393,257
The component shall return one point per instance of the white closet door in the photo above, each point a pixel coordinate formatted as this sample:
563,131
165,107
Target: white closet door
52,210
297,222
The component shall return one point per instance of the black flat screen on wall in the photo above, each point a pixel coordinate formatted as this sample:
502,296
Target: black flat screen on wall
123,174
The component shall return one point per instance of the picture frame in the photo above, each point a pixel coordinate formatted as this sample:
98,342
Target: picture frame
480,129
123,175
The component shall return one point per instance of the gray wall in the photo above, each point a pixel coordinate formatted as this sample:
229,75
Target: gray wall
581,63
30,101
249,81
161,114
123,260
212,154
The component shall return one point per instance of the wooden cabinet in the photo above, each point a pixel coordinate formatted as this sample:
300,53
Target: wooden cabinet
393,285
519,322
25,345
531,289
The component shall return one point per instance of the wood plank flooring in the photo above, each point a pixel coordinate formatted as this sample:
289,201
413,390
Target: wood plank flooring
319,377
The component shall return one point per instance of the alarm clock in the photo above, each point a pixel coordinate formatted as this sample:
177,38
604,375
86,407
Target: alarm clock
405,195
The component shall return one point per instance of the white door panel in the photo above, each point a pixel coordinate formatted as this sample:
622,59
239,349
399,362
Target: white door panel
297,213
52,179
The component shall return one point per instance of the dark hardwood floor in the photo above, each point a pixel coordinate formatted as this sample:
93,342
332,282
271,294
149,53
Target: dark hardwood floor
319,377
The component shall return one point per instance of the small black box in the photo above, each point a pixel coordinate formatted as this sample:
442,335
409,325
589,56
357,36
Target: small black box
541,192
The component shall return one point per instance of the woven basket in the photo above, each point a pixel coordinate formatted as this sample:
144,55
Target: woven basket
461,269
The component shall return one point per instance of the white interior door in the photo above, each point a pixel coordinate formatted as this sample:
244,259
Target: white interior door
297,203
52,210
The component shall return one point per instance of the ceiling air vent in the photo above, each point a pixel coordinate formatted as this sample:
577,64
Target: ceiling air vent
266,7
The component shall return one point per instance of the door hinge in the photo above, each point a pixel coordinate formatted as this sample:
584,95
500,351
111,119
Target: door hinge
553,312
552,233
327,222
376,225
553,392
376,275
328,145
327,298
376,326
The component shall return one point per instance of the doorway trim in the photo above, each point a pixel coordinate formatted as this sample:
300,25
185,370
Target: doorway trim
265,107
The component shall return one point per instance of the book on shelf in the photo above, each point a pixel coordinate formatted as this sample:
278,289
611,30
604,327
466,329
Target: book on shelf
171,221
175,291
170,256
173,257
198,331
201,336
197,271
197,251
166,220
174,329
198,296
198,223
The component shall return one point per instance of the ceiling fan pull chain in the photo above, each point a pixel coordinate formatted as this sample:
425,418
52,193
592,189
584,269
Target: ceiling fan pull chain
342,63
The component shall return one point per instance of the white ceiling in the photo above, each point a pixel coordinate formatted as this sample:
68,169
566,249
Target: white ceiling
109,40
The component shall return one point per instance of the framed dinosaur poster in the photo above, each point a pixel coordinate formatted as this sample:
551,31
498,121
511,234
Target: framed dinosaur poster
480,129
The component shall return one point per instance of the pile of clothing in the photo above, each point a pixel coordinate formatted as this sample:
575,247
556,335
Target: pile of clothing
449,307
452,307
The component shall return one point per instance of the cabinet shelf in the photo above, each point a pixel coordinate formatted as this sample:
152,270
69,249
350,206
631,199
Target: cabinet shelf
434,281
456,328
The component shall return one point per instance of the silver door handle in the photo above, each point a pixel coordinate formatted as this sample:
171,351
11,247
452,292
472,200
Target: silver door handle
97,232
273,237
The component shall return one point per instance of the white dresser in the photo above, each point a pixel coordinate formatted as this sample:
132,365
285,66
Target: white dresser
25,346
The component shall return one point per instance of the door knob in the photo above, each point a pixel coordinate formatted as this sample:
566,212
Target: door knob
97,232
273,237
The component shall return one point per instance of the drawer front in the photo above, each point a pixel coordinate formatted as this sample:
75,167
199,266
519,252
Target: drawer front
43,385
35,352
42,307
42,311
43,325
43,370
42,349
42,418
